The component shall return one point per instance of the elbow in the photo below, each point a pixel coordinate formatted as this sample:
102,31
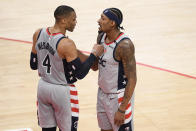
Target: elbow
33,61
94,68
33,67
80,76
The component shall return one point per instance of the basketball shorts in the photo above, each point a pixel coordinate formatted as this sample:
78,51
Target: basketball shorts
57,106
107,106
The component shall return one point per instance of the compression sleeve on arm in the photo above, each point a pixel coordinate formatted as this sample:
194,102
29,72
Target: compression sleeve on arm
80,69
33,61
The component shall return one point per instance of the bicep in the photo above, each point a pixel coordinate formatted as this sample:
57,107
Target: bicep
71,54
67,50
126,53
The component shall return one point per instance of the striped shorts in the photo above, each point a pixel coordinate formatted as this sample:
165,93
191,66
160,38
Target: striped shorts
107,105
57,106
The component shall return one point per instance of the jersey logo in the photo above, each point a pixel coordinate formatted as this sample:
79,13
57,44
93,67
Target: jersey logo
101,61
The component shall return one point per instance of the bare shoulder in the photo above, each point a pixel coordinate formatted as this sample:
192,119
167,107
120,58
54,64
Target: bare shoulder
125,49
67,49
126,44
66,43
36,33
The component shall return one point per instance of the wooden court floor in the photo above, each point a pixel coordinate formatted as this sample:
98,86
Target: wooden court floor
164,34
163,102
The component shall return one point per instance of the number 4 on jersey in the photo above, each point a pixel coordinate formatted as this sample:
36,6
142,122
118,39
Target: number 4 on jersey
46,63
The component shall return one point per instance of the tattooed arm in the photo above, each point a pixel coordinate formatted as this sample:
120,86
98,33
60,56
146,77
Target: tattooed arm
125,52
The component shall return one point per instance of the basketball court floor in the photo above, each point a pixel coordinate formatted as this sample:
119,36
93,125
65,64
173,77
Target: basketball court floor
164,34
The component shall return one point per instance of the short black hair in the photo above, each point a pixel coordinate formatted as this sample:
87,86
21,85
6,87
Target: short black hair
119,15
62,11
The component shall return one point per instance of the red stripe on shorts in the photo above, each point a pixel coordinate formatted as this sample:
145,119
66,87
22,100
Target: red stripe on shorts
128,115
75,93
128,106
120,100
75,109
74,101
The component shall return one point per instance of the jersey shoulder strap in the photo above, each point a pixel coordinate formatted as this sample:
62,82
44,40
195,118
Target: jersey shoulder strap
99,37
39,34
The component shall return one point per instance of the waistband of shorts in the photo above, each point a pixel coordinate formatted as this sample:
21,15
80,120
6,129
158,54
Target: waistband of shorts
108,93
72,85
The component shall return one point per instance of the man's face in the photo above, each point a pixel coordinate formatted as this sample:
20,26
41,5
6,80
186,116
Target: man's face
71,21
105,23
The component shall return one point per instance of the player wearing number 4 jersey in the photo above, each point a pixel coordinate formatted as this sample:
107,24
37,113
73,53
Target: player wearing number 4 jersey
59,65
117,74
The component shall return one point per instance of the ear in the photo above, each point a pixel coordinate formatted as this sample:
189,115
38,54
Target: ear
113,23
64,21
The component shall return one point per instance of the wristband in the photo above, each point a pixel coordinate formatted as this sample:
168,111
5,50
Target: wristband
94,51
121,111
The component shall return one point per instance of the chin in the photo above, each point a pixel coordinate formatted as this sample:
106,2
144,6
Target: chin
100,30
71,30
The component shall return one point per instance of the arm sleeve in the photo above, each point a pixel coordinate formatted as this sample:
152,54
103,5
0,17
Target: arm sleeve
33,61
80,70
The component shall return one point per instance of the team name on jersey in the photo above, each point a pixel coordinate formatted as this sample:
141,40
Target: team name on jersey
46,45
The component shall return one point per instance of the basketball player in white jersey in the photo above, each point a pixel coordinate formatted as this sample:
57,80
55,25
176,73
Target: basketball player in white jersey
59,65
117,74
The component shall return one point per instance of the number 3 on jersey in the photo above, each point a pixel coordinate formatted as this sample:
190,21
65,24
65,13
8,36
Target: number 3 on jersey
46,63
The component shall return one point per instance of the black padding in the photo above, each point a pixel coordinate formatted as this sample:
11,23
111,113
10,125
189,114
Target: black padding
33,61
49,129
70,77
79,69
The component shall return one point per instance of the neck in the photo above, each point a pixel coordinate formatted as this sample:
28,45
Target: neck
58,29
112,35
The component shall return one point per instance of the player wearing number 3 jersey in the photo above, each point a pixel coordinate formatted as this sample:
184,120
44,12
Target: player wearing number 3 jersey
59,65
117,74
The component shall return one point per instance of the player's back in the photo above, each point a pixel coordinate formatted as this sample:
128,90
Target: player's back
50,65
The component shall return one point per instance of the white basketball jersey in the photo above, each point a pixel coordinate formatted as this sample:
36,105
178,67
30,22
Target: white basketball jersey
111,73
51,67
